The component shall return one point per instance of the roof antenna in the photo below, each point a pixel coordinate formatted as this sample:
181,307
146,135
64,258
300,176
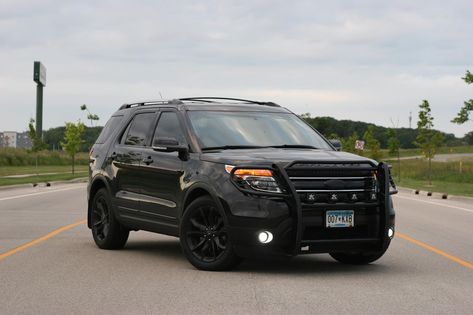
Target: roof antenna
160,94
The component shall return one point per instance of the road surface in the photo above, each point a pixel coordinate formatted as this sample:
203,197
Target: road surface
50,265
450,157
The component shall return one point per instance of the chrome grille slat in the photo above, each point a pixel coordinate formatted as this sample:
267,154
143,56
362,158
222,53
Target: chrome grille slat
331,190
327,178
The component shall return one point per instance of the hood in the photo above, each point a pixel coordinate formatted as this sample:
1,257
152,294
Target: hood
276,155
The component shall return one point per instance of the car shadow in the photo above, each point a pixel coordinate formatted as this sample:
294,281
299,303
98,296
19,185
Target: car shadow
168,248
304,264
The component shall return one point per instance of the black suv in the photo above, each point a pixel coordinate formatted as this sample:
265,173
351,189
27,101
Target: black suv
234,178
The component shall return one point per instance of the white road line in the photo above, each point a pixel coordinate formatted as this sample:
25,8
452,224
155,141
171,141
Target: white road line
40,193
436,203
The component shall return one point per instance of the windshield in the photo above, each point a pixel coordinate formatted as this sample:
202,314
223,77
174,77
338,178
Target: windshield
234,130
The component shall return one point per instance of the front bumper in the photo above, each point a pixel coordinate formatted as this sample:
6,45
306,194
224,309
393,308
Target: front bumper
299,228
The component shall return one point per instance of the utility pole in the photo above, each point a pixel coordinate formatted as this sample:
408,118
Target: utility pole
410,120
39,76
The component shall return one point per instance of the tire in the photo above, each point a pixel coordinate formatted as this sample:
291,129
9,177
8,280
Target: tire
357,258
107,232
203,237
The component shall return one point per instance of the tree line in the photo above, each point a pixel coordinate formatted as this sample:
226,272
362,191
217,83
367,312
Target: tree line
345,129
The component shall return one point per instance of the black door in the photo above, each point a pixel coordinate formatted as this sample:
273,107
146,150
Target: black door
164,172
127,157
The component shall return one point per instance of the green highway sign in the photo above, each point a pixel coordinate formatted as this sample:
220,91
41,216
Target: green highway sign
39,73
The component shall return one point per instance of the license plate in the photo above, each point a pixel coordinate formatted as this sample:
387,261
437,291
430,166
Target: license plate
340,218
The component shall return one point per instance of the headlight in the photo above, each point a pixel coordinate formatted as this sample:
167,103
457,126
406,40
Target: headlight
257,179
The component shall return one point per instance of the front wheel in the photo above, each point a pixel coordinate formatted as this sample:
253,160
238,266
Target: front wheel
357,258
107,232
204,238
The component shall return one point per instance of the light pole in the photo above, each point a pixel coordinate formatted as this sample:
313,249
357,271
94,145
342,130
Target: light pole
39,76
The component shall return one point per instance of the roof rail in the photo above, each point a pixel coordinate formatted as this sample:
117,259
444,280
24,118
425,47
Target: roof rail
144,103
211,99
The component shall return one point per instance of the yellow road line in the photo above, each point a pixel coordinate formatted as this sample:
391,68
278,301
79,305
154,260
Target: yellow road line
73,225
41,239
436,250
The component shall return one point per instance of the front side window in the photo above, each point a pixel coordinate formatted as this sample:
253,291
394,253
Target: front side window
139,131
253,129
169,127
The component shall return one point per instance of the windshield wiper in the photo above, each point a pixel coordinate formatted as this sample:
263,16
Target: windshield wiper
294,146
233,147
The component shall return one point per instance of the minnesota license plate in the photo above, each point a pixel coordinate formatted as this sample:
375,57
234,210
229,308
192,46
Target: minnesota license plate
340,218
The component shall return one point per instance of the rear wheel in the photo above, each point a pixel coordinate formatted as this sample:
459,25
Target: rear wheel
357,258
107,232
204,238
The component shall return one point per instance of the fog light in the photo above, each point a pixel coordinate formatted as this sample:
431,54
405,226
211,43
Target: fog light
391,232
265,237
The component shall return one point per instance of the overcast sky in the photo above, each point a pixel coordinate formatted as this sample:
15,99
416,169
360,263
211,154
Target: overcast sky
372,61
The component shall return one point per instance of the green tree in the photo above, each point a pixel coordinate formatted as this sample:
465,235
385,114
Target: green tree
468,138
393,142
54,136
428,139
372,144
73,139
394,145
348,144
36,142
90,116
464,114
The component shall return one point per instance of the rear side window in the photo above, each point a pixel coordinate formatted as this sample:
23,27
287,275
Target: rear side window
110,126
139,130
169,127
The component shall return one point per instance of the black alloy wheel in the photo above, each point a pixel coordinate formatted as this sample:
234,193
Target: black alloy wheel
107,232
204,238
207,236
101,218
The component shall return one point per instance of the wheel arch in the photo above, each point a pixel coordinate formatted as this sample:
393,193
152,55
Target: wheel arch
196,191
97,183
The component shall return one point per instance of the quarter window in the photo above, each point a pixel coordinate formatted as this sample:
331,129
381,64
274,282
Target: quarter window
111,125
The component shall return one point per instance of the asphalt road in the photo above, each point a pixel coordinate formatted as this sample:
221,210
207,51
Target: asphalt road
449,157
64,273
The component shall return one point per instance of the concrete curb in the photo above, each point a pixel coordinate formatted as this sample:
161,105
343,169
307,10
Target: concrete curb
435,195
72,181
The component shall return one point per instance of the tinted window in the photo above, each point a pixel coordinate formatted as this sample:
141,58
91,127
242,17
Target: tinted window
169,127
110,126
216,128
138,133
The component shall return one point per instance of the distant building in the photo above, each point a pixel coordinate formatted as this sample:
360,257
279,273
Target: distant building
13,139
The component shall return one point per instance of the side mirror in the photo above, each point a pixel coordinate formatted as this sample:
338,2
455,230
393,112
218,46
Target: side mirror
169,145
337,144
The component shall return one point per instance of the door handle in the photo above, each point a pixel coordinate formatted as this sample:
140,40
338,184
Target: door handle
148,160
113,156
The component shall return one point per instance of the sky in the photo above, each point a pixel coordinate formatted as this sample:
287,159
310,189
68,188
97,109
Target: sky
372,61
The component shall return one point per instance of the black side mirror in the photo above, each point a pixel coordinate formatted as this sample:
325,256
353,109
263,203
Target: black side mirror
336,144
169,145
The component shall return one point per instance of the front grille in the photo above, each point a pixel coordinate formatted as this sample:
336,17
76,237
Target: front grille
331,186
334,183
